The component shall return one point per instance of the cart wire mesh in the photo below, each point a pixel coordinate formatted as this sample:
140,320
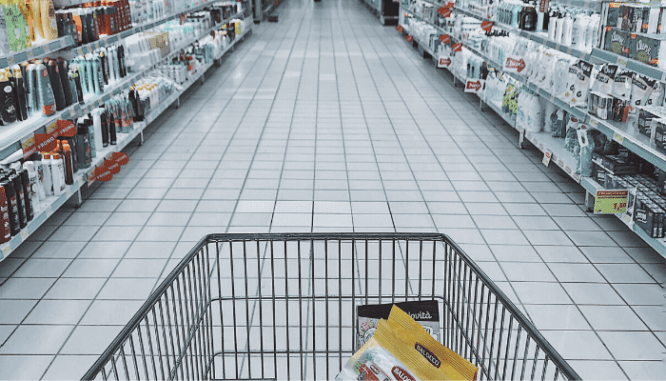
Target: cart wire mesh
282,306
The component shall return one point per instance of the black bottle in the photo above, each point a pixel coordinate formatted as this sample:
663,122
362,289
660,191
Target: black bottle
121,61
135,100
56,85
21,97
84,154
29,208
64,79
8,105
75,77
20,200
14,220
105,128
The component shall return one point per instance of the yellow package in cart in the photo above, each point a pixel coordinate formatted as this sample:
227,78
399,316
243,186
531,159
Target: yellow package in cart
451,365
385,357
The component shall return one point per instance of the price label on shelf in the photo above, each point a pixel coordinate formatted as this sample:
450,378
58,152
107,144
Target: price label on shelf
30,53
594,123
611,201
24,234
622,61
618,138
6,250
547,155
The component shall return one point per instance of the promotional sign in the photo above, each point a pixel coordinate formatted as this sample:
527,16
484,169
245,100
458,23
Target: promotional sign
547,155
444,61
611,201
445,38
514,65
110,166
487,25
409,38
399,28
45,142
457,47
474,85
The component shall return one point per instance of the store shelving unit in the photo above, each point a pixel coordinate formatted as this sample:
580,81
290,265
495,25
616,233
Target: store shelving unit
634,141
52,204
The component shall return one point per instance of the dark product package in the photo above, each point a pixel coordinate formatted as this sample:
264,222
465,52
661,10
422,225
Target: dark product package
620,109
646,49
646,122
660,134
617,41
426,312
649,216
600,105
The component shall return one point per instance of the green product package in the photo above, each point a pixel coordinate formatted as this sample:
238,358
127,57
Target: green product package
16,26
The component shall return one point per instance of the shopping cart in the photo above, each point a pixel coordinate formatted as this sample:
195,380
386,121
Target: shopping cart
282,306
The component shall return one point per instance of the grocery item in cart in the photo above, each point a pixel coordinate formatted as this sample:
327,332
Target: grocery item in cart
426,312
386,357
454,366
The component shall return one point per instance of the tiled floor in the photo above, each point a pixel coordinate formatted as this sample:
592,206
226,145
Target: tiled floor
327,121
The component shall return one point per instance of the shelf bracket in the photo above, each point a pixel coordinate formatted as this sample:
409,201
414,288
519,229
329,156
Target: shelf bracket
481,104
521,139
141,138
178,102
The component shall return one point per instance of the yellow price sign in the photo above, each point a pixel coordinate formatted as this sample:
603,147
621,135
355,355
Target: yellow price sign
611,201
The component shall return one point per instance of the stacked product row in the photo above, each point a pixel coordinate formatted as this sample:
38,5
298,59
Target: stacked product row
41,87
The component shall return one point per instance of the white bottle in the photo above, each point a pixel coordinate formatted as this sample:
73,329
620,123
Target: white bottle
58,174
552,26
653,20
97,125
593,34
40,178
567,28
559,25
34,185
48,178
579,30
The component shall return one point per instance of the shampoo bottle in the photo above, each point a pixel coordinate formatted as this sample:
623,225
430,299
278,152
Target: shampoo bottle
48,178
5,228
8,104
12,206
58,173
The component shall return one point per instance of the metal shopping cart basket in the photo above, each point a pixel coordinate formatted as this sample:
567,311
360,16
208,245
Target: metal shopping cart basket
282,306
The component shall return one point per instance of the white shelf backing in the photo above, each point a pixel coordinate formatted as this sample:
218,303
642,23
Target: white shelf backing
658,245
52,204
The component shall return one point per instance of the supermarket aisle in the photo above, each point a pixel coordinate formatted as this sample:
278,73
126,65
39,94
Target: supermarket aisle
328,121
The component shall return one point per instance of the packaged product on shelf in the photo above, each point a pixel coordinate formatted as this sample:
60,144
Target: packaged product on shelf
12,205
600,105
660,133
5,229
426,312
622,84
603,83
649,216
558,123
559,76
641,89
618,41
578,83
645,122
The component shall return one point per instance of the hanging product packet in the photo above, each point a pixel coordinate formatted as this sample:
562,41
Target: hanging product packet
603,83
622,84
581,85
641,89
452,365
386,357
559,76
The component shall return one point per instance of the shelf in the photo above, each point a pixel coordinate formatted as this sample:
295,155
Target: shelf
634,141
16,132
49,206
36,51
560,156
109,40
501,113
52,204
539,37
658,245
123,139
633,65
591,5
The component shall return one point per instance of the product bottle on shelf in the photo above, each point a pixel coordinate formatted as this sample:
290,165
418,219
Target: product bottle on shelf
58,174
12,207
5,228
15,178
27,194
33,178
20,93
8,106
48,178
68,163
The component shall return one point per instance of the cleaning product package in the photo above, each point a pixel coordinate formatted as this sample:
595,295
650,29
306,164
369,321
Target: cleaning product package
452,365
641,89
559,76
387,357
426,312
603,83
622,84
